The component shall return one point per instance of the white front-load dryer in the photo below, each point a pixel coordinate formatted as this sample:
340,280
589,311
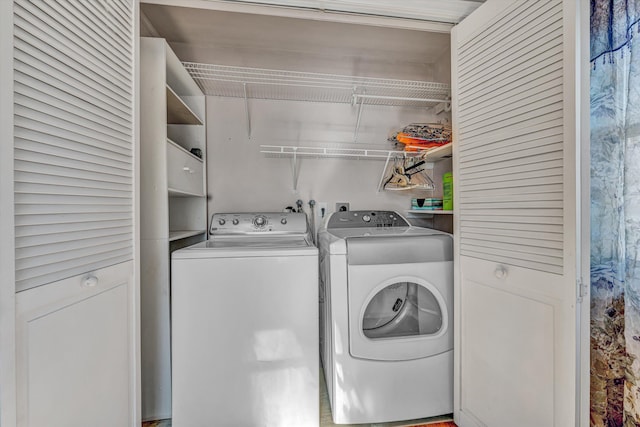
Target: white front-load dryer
386,318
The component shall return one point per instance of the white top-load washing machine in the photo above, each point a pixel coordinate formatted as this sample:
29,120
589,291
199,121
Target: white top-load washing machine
244,310
386,292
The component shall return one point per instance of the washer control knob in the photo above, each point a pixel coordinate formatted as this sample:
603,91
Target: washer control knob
221,221
259,221
283,221
235,221
366,218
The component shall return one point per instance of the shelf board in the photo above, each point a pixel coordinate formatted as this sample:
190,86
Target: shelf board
429,212
183,234
179,193
179,113
177,77
440,153
180,147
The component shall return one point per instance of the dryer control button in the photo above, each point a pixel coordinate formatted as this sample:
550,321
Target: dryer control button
221,221
366,218
235,221
283,221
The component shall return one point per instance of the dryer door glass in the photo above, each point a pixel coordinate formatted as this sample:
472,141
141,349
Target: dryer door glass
402,309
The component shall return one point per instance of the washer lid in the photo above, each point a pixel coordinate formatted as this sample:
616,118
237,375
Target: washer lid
345,233
258,242
248,246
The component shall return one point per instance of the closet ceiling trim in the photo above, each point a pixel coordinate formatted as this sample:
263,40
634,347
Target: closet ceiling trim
291,11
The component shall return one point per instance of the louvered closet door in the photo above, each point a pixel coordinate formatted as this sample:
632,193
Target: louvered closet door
515,130
73,137
74,127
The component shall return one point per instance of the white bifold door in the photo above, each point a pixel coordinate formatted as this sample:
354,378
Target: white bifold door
74,153
516,114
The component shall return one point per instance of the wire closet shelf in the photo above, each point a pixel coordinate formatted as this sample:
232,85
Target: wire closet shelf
257,83
433,154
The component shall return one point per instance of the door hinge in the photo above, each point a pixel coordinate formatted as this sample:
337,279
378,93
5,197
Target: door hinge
582,289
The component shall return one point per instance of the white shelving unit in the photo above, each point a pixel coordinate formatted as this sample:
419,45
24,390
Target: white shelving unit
259,83
172,202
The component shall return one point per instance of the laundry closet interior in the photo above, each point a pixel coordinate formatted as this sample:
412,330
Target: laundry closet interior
308,104
281,119
275,105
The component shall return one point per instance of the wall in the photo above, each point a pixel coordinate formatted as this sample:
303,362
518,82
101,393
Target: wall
240,178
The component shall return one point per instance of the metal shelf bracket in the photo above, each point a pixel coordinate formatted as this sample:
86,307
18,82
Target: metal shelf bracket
355,101
246,109
295,168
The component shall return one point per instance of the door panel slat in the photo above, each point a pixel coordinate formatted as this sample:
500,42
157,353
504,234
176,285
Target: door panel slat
74,133
551,190
525,153
514,236
538,113
60,230
541,46
492,226
524,87
542,71
518,262
547,136
513,167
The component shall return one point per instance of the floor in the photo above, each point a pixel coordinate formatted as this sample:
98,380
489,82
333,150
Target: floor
325,417
167,423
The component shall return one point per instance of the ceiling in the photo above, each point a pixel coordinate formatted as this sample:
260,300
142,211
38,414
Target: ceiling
263,38
449,11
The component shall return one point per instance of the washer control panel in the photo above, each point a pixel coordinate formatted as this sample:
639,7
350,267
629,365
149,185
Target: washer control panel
362,219
258,222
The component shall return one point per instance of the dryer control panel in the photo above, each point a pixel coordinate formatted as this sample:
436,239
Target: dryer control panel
363,219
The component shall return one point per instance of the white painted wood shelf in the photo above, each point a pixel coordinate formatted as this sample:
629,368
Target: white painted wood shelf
429,212
178,112
177,235
183,149
173,192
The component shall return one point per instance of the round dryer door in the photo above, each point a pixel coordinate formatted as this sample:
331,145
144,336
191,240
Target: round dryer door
400,312
402,309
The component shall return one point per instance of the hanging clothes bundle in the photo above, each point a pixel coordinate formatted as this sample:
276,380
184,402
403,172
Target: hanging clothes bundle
407,172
